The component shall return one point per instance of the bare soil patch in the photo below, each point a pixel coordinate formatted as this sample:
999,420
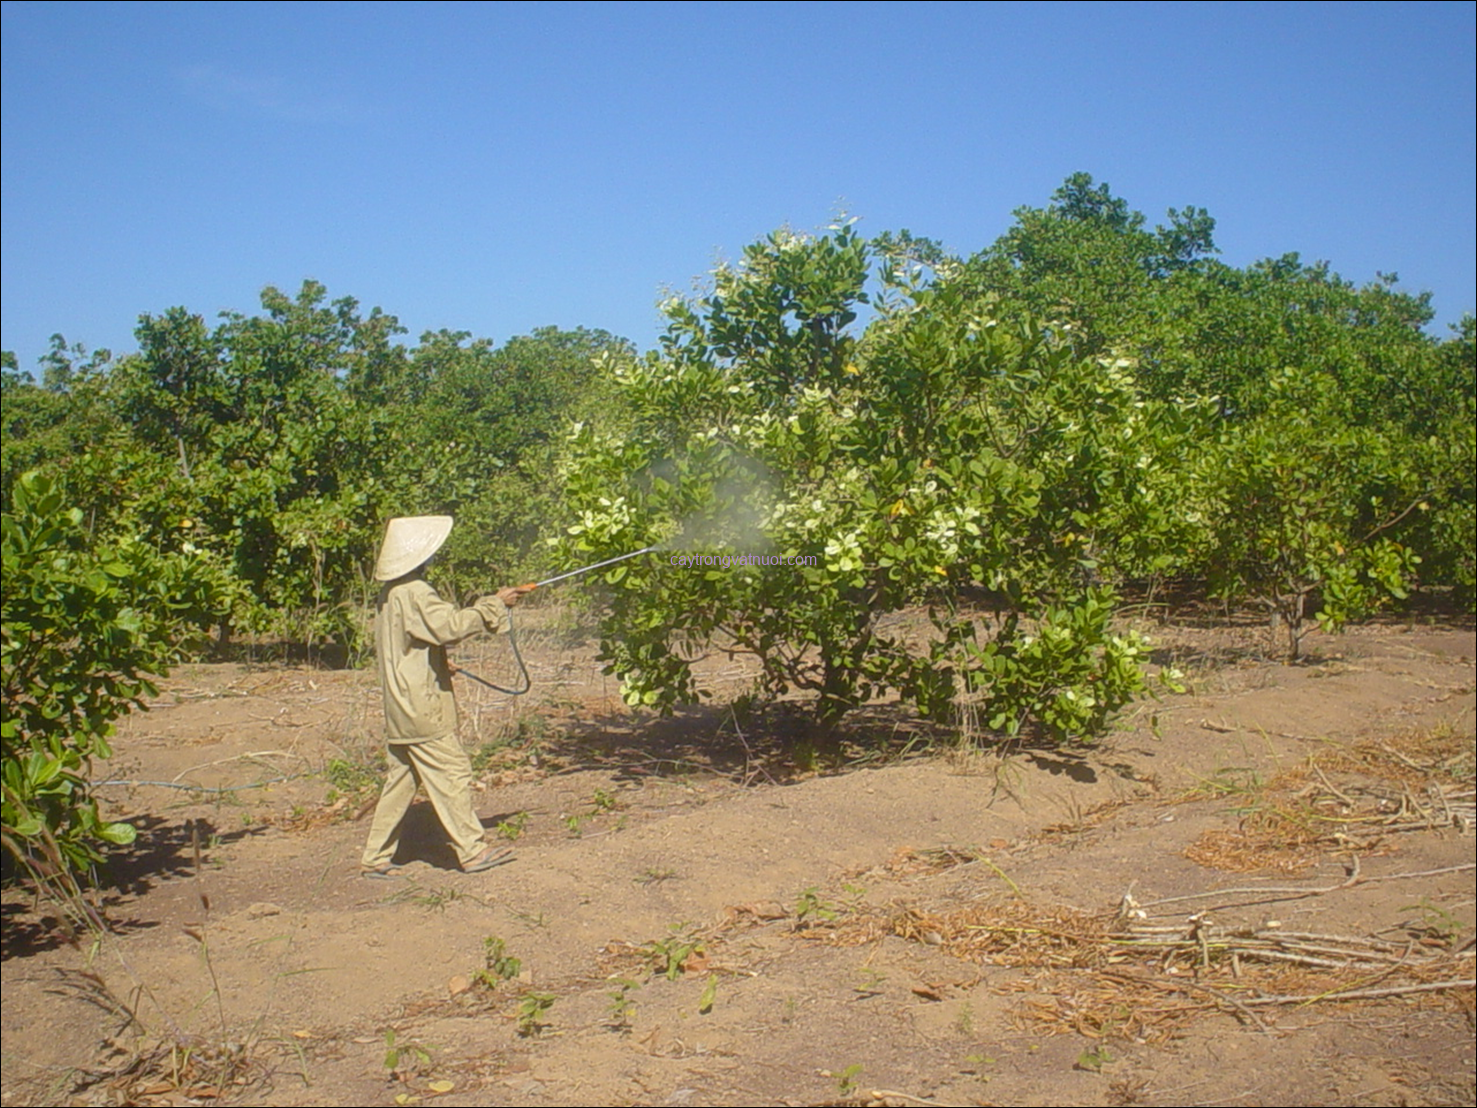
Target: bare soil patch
1260,892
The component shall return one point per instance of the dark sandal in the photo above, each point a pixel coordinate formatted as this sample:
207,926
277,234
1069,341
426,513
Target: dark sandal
385,872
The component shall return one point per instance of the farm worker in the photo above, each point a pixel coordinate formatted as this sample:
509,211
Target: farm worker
413,626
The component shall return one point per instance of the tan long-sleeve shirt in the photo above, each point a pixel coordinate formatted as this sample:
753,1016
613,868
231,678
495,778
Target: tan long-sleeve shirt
413,627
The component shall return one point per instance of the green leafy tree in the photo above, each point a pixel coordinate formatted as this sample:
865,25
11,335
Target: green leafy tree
42,426
1191,327
1088,264
1447,460
1304,504
935,456
283,450
483,436
1194,326
87,628
280,441
10,371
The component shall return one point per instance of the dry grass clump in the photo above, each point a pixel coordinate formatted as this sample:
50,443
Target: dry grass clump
1130,974
1348,799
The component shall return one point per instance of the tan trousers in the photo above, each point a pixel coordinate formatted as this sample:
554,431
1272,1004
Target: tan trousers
442,766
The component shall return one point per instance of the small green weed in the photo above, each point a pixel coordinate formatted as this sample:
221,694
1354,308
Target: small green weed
846,1080
512,827
497,964
1436,922
806,756
871,983
811,909
1231,782
978,1063
432,900
484,756
670,955
622,1007
529,919
531,1011
710,995
964,1022
531,731
348,778
1093,1059
397,1052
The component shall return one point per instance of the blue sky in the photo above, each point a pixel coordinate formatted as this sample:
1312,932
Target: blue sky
496,168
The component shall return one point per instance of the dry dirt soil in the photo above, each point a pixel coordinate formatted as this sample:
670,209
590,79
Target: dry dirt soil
1256,893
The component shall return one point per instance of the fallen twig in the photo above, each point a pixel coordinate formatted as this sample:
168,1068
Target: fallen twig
1291,893
1366,994
240,758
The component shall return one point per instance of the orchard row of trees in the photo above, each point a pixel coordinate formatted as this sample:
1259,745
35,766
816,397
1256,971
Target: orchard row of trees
236,478
1086,404
275,445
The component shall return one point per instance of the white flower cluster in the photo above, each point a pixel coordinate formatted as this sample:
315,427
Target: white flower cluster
612,519
945,526
844,554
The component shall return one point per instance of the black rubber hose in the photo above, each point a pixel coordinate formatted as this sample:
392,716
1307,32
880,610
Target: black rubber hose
517,655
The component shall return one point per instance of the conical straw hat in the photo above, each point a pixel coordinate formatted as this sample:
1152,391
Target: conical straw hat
409,541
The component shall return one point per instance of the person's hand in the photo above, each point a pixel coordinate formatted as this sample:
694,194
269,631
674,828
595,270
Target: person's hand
510,595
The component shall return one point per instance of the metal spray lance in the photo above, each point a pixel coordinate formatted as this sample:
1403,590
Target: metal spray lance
590,568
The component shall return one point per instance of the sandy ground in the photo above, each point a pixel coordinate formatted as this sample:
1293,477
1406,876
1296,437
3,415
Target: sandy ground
700,912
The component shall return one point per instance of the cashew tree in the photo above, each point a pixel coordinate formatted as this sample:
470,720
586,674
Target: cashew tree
936,461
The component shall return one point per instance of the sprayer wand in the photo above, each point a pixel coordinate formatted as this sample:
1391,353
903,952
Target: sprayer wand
513,636
591,568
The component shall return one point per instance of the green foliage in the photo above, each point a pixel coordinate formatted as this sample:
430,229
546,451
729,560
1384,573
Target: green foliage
1194,326
88,625
943,453
1302,507
397,1052
349,778
1093,1059
531,1011
265,440
39,425
811,909
281,441
709,995
622,1006
498,965
1189,326
487,424
1444,454
1090,402
669,956
512,828
1067,670
847,1079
